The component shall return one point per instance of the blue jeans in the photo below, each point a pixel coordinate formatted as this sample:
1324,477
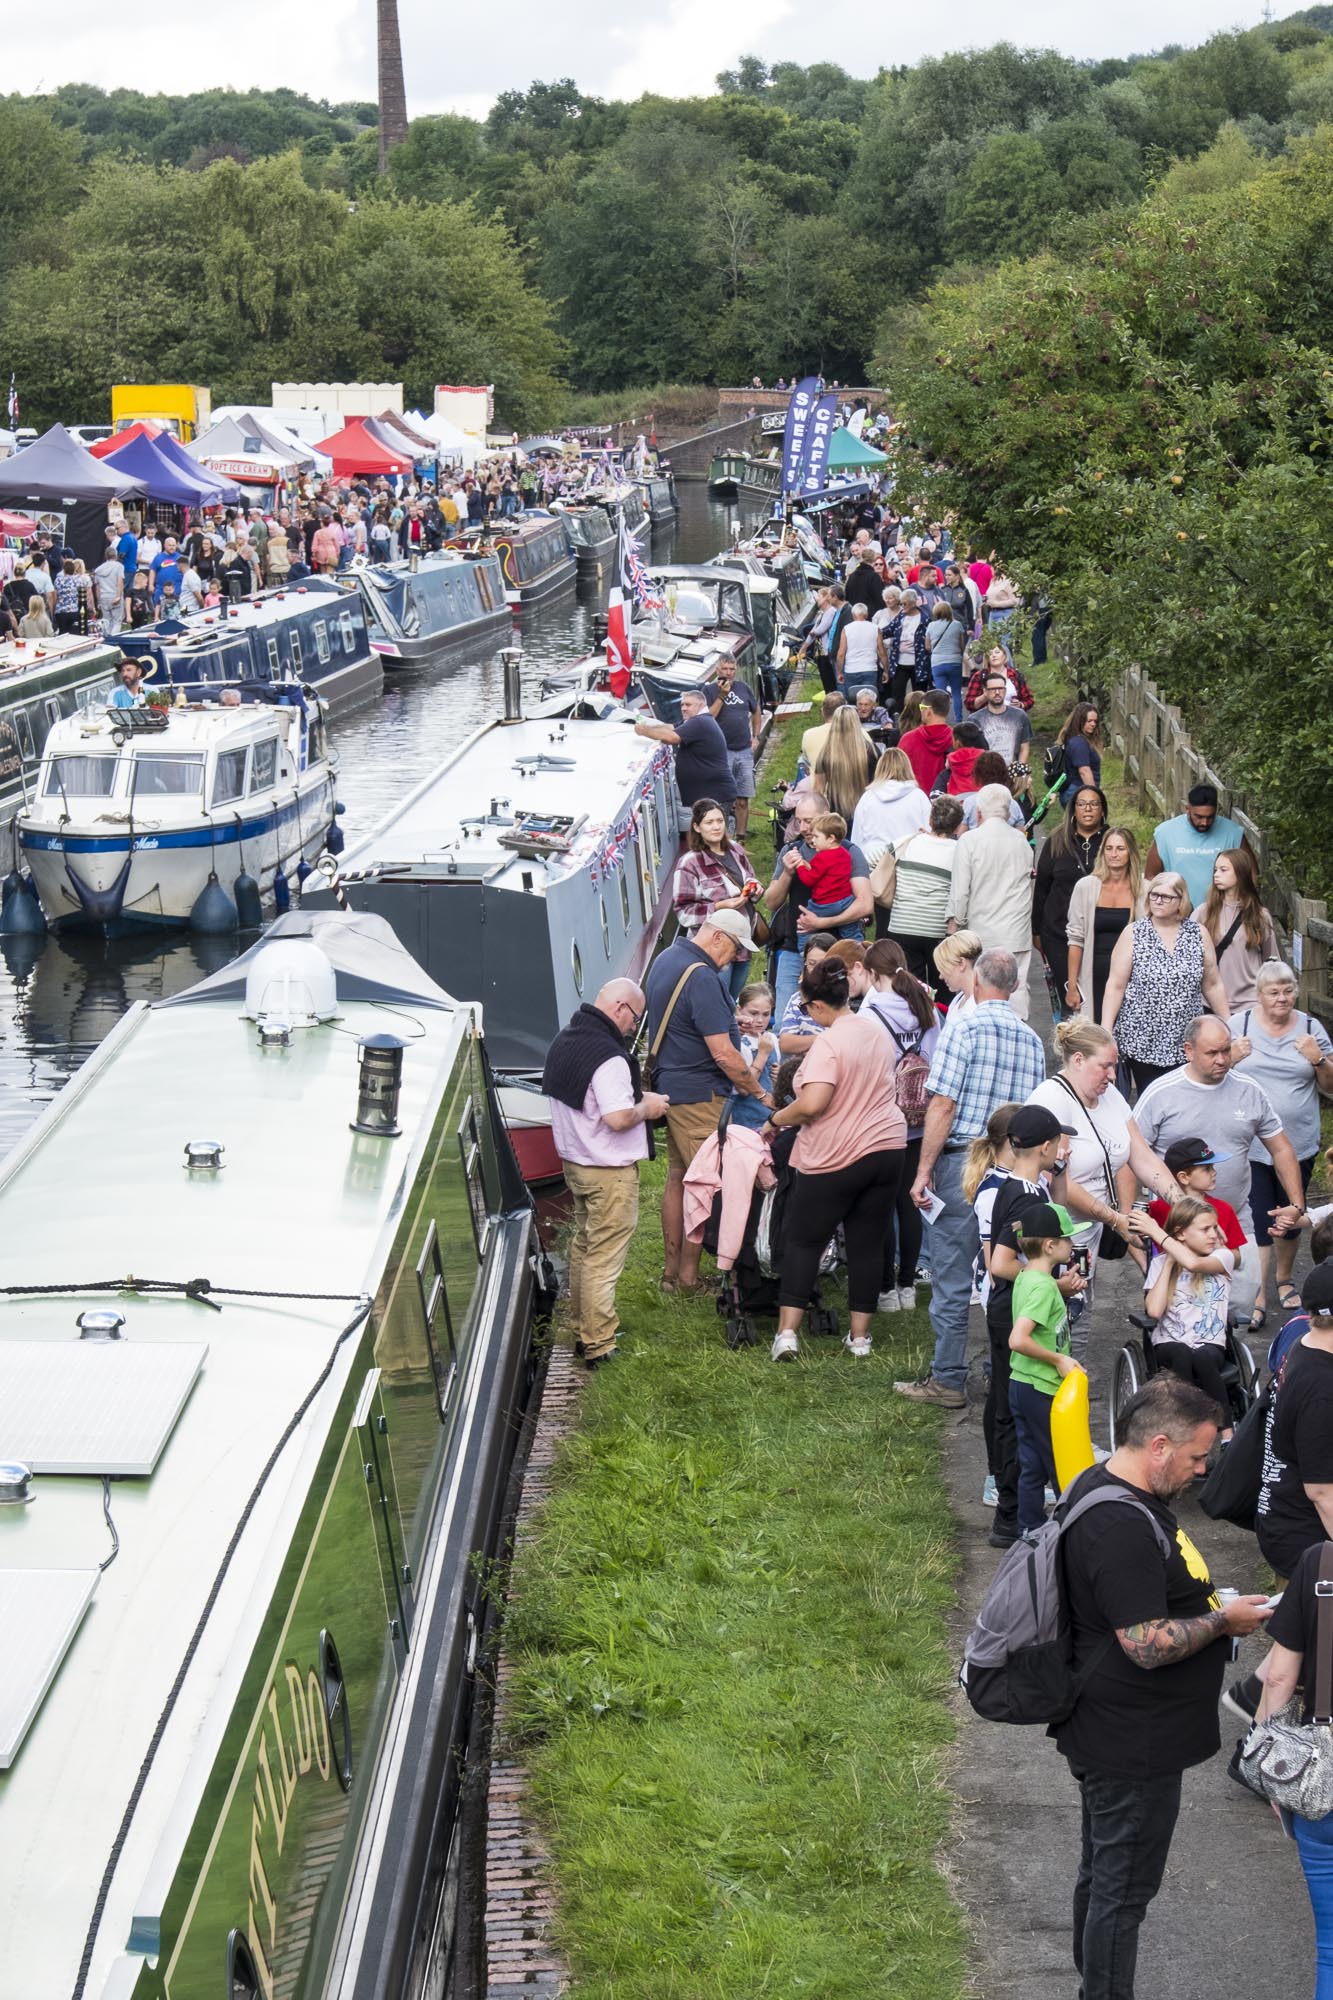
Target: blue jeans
952,1242
852,682
1031,1412
949,674
786,977
1127,1829
1314,1844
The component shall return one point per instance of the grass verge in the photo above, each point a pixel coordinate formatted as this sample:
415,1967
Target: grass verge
728,1641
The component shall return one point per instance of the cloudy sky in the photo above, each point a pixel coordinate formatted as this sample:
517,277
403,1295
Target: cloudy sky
459,58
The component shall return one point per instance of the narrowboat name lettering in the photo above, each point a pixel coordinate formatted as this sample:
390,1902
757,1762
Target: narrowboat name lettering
281,1761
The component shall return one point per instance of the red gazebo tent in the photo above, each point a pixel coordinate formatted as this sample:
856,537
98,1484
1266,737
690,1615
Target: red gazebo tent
107,447
354,449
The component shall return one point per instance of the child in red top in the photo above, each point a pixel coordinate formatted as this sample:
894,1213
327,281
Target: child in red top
1195,1168
828,872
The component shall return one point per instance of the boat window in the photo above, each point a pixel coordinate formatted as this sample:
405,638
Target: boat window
348,631
334,1689
263,764
52,711
274,664
654,835
692,603
606,926
242,1973
322,642
578,970
24,728
297,661
229,778
731,605
624,896
86,777
162,776
474,1174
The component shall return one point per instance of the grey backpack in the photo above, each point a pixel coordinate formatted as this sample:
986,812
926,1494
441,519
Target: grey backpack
1018,1661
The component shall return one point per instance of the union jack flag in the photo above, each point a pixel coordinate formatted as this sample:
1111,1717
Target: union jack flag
634,577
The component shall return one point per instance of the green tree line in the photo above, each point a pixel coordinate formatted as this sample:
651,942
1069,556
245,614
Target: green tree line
1143,424
767,228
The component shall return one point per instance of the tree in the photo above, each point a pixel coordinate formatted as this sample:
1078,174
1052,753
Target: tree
439,160
1004,199
39,176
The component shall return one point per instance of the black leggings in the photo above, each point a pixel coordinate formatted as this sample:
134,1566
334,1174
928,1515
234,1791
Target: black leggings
861,1197
1145,1073
1200,1365
902,1240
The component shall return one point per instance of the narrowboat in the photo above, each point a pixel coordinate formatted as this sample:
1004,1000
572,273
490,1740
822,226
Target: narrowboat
659,497
623,501
593,537
314,634
725,474
253,1493
42,681
534,864
139,811
780,558
419,606
762,478
535,554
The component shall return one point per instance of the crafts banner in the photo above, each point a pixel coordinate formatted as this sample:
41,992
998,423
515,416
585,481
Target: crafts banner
819,436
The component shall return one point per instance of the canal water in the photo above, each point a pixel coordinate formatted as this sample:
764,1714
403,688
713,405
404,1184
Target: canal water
58,998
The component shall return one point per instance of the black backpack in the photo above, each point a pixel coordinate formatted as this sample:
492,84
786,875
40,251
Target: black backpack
1053,763
1018,1663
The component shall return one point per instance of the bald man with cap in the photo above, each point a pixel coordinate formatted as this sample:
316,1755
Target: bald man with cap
600,1114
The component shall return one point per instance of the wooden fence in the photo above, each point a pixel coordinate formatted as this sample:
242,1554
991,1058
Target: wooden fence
1161,764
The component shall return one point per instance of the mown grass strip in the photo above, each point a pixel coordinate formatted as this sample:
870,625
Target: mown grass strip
728,1643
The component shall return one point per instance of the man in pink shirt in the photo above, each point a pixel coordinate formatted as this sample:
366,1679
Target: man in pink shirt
600,1114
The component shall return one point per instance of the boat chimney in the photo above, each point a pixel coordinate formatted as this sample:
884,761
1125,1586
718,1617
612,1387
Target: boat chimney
378,1085
512,657
414,562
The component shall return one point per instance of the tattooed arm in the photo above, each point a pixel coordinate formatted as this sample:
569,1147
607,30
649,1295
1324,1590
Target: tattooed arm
1162,1641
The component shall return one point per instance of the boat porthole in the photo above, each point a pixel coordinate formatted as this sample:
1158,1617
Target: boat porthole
242,1973
578,970
624,899
336,1709
606,926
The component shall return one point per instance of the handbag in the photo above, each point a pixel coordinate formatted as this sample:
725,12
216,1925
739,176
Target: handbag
1112,1245
1291,1762
884,873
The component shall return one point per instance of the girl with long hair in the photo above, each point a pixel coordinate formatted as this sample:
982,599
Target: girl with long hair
1062,861
842,767
1080,738
1101,904
1240,927
1188,1294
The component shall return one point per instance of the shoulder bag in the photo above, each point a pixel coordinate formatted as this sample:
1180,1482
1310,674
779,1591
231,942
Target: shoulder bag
1291,1762
761,928
650,1062
884,874
1112,1245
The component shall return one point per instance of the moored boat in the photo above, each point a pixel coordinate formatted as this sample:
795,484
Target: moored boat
41,681
535,554
593,537
314,634
419,606
138,811
659,498
762,477
726,472
244,1600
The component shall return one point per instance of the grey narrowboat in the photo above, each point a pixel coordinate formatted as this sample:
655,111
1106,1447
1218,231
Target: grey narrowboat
41,682
252,1493
593,537
418,607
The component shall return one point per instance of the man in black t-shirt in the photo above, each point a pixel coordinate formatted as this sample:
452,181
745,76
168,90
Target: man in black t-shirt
1295,1507
735,709
702,767
1150,1645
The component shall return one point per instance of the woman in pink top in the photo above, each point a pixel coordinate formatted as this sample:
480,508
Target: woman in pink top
848,1155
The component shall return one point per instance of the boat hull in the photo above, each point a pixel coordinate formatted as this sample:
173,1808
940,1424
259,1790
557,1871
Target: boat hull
397,653
152,880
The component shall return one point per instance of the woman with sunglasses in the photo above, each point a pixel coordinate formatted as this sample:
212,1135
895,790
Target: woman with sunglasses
1163,974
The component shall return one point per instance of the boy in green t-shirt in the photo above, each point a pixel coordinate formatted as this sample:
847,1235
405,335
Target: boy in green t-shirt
1039,1346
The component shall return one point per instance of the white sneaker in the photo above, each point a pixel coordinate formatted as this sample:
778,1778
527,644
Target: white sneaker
786,1347
859,1346
907,1298
887,1302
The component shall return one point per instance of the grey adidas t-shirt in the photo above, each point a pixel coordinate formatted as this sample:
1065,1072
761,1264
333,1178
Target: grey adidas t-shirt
1229,1116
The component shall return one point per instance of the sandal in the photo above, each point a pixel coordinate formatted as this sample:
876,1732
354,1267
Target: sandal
1289,1298
1258,1318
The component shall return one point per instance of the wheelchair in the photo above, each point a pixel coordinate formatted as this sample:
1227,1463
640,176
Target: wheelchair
1137,1362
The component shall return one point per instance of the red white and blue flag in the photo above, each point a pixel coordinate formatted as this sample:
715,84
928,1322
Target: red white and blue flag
633,575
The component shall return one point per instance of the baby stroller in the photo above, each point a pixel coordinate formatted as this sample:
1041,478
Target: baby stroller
749,1289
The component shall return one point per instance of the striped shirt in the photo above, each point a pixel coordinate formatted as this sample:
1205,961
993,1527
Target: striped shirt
921,887
985,1059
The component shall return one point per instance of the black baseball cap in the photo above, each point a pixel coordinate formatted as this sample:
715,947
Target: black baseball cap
1046,1219
1034,1125
1184,1153
1317,1291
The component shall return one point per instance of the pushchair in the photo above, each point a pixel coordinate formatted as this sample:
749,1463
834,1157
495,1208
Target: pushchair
749,1288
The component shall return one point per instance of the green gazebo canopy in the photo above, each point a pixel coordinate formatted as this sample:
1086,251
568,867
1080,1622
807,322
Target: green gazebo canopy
845,451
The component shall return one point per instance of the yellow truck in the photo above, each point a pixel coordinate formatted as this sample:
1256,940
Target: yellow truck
183,410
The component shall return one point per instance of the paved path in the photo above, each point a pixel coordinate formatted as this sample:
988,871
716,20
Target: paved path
1232,1918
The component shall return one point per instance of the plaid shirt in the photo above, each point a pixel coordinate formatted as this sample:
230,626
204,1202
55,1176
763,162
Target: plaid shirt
985,1059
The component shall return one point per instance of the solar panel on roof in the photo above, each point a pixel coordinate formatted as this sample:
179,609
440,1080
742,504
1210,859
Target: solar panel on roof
93,1406
40,1611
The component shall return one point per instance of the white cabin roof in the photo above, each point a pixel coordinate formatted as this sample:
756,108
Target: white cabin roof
19,656
544,765
99,1188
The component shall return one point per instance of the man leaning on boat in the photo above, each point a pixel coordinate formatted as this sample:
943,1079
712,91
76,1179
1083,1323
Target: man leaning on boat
600,1115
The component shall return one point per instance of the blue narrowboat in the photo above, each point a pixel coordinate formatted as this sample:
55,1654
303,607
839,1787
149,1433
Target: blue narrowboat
536,555
315,634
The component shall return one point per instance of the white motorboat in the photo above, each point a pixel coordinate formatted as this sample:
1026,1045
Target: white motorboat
139,811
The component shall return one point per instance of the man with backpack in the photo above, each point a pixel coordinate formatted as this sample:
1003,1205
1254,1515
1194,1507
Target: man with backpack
1150,1643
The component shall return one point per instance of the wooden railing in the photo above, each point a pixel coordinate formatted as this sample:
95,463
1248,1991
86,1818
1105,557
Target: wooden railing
1161,764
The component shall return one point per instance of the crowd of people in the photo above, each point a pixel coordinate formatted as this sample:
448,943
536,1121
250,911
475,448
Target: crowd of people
879,1080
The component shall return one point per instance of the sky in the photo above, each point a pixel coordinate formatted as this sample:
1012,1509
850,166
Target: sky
455,60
